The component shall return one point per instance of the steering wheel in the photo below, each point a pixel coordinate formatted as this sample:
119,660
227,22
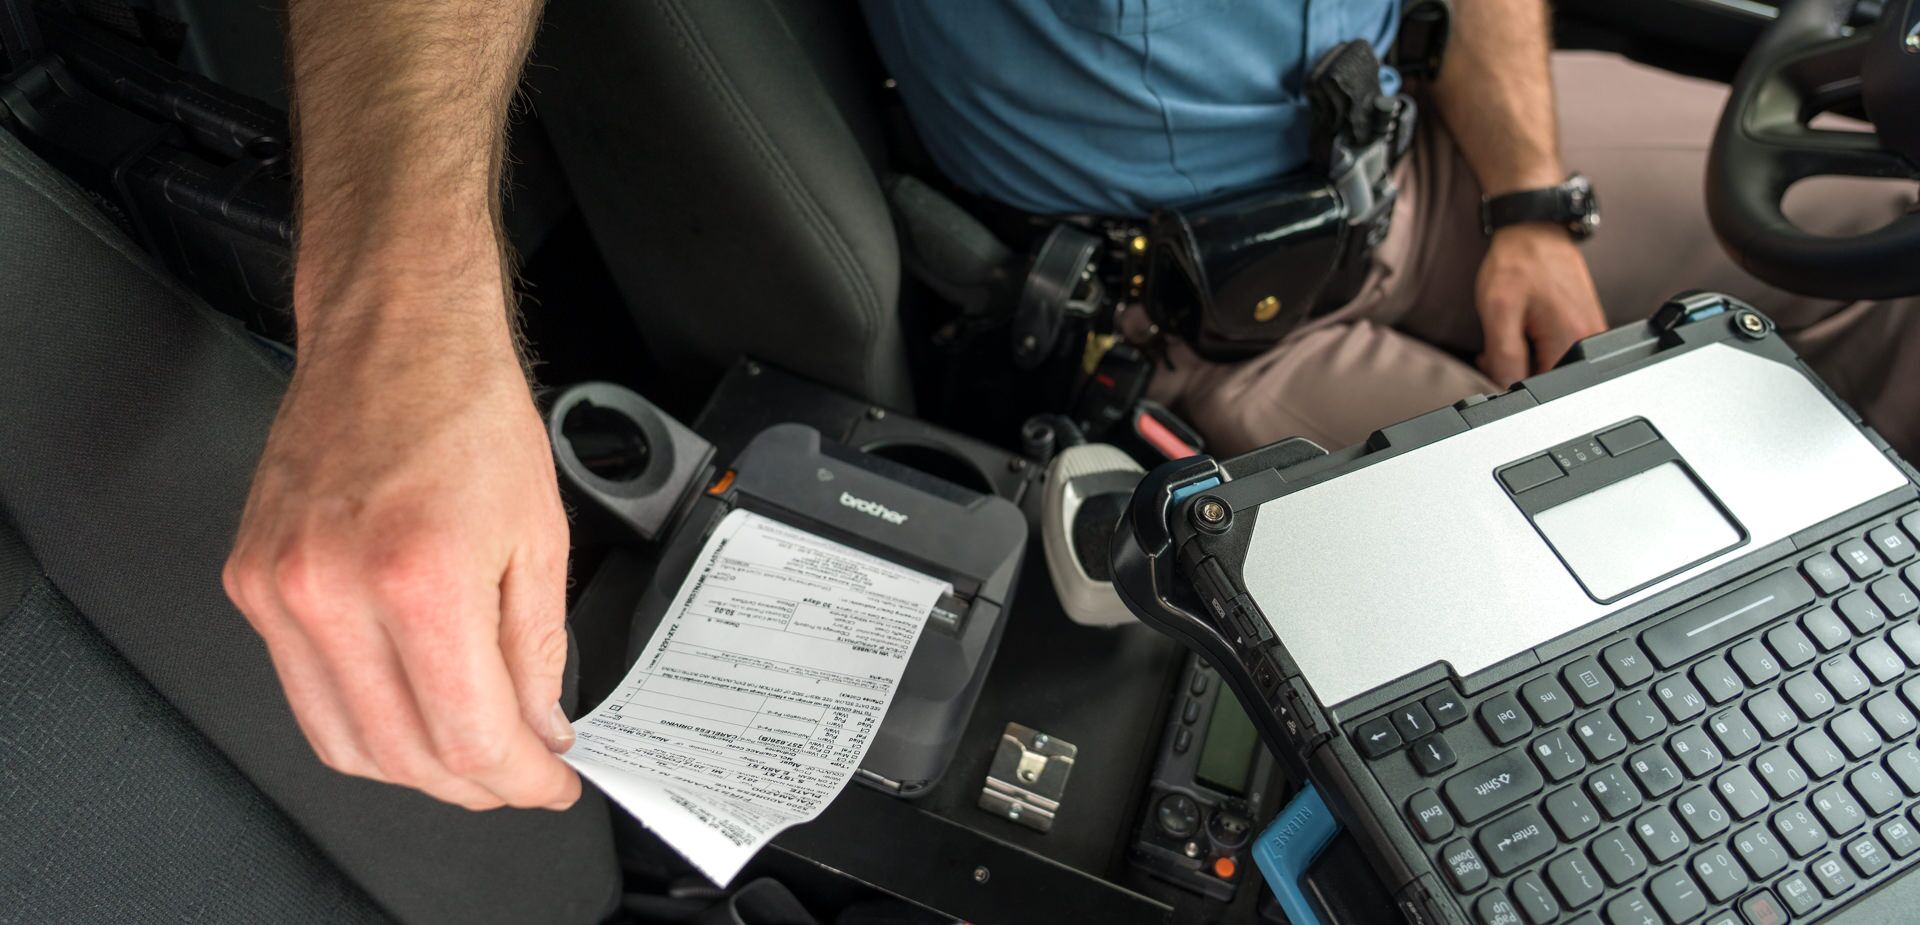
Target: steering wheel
1804,64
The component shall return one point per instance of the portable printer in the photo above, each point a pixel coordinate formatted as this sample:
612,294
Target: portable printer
974,541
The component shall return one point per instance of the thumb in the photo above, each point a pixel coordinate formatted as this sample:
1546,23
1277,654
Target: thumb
1549,345
1503,354
533,641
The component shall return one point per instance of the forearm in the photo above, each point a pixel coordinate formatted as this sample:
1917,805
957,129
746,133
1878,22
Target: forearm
1495,93
403,552
400,110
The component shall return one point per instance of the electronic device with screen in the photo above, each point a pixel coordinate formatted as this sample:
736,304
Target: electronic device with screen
974,541
1634,642
1209,789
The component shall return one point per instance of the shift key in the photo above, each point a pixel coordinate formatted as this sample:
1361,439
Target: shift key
1492,785
1725,617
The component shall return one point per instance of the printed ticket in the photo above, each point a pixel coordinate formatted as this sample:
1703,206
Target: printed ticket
759,693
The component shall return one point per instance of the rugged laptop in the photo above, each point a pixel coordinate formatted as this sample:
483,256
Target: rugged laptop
1633,643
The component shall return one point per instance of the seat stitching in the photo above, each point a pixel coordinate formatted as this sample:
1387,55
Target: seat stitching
33,564
795,192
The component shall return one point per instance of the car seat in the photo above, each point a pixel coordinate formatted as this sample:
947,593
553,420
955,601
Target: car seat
729,157
149,765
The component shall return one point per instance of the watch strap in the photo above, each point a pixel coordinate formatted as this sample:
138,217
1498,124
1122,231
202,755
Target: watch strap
1570,205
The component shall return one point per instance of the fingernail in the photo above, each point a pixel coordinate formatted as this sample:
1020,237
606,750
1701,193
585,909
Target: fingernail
559,730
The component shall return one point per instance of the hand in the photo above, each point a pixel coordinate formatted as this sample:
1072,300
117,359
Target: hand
404,550
1533,291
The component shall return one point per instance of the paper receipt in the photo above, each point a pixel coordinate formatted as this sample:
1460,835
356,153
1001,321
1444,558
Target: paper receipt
759,693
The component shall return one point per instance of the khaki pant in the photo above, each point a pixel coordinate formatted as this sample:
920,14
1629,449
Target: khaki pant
1405,345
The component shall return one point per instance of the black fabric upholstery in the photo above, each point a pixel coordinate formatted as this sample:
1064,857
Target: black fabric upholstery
16,567
118,811
720,153
130,419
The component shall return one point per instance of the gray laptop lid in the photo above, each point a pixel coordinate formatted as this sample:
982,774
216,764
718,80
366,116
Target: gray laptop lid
1426,557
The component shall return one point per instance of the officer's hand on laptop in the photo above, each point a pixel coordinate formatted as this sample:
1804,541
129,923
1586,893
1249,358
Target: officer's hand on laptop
404,549
1535,298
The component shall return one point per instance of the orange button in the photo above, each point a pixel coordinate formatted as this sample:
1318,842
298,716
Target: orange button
1224,868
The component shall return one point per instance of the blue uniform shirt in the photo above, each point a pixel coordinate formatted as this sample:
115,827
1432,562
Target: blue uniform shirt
1115,107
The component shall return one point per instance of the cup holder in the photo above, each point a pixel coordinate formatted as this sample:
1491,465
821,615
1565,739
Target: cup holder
934,460
607,442
621,454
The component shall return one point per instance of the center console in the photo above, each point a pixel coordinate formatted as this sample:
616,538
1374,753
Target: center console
1165,787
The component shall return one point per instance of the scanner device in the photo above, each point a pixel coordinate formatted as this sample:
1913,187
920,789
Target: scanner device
974,541
1087,489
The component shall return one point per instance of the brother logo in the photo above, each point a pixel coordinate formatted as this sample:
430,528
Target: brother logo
873,508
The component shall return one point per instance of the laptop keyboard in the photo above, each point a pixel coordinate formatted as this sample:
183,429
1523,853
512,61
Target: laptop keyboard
1747,761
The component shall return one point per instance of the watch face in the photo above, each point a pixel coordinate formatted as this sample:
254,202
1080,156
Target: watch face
1586,225
1584,206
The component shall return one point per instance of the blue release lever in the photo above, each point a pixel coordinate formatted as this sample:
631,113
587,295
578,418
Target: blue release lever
1287,848
1187,491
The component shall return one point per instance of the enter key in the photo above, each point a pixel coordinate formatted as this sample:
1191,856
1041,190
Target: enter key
1515,840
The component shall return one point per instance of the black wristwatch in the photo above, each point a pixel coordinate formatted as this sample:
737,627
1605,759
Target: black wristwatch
1571,204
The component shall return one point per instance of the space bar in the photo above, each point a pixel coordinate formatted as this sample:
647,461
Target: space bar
1725,617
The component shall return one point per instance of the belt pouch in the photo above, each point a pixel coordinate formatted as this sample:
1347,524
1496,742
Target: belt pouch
1234,274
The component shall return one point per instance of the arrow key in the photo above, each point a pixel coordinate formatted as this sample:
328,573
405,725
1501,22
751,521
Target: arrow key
1412,721
1432,754
1446,708
1376,737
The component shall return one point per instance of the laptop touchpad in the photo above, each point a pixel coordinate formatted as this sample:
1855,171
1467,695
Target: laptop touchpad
1641,528
1621,508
